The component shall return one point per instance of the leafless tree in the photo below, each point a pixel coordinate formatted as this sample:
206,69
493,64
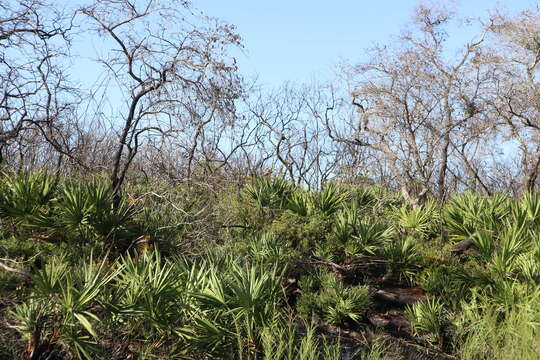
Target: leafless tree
172,74
295,137
515,51
416,105
35,97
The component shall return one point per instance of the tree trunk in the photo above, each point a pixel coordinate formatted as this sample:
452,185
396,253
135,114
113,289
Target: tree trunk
441,183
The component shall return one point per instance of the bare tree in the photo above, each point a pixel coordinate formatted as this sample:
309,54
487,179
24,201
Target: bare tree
295,137
35,95
416,105
515,51
171,73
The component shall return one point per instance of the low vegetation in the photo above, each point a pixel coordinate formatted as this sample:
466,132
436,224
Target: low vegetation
265,270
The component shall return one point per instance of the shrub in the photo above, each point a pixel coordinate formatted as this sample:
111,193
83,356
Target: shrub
427,317
24,195
485,331
368,238
445,282
301,232
331,300
422,221
401,257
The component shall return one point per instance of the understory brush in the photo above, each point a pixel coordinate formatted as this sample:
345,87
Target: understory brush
263,270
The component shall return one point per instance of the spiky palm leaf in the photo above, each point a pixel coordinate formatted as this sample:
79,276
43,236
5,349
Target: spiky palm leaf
329,200
25,196
368,238
271,193
427,317
301,203
421,221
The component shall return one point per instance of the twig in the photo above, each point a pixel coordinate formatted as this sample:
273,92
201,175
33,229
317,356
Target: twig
330,263
21,273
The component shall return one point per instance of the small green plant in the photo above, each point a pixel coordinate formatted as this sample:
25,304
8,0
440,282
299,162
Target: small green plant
427,317
24,195
267,248
301,203
365,198
89,209
334,302
60,313
503,262
329,200
485,330
401,257
421,221
345,224
368,238
445,282
484,243
528,266
147,290
467,214
271,193
301,233
527,210
245,297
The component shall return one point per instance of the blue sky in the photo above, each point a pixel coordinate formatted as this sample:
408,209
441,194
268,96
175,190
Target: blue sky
301,40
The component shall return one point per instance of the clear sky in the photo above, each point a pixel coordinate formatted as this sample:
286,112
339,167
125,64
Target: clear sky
299,40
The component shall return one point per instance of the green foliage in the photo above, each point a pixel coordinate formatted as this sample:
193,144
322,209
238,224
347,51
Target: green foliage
446,282
401,251
19,249
89,209
301,232
468,213
326,202
147,287
175,217
60,310
367,197
368,238
527,210
483,331
326,296
346,222
301,203
513,243
24,195
528,266
484,243
329,200
427,317
75,211
421,221
279,339
244,297
270,193
267,248
253,279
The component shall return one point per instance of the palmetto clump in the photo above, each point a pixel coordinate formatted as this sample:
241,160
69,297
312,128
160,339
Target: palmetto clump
326,296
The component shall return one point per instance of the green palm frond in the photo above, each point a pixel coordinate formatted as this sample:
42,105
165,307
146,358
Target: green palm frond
368,238
346,222
421,221
301,203
89,209
271,193
330,199
25,195
427,317
468,213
